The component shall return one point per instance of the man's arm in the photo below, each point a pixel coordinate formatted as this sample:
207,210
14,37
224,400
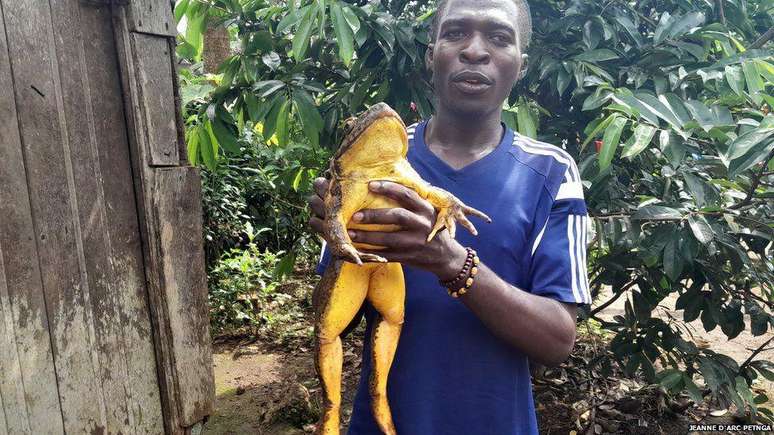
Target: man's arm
544,328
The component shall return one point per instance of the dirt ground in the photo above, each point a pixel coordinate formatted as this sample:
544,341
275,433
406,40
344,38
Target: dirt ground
265,389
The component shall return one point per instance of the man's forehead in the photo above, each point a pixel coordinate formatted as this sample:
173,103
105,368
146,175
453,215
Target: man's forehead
501,12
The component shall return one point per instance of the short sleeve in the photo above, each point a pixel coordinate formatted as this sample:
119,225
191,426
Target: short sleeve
558,267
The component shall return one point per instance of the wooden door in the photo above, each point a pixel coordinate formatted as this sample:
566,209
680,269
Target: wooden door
103,320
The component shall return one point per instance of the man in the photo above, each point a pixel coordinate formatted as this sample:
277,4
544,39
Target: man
461,365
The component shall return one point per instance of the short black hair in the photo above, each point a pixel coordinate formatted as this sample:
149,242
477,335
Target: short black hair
523,22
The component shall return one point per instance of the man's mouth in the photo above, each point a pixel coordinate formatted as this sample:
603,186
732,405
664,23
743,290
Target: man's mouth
472,77
471,82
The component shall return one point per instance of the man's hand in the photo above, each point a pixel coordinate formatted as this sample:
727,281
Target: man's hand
442,256
317,204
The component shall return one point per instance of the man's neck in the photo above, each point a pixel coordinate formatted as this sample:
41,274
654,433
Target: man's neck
461,140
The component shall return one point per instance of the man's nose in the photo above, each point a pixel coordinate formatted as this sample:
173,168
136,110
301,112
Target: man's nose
476,51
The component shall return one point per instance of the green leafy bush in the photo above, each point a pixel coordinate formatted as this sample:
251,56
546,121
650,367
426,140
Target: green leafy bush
247,297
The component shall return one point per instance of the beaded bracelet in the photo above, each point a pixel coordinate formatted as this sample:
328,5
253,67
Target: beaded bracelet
463,273
467,274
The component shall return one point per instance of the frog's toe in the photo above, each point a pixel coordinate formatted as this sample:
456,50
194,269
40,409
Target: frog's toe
474,212
467,224
373,258
439,225
348,252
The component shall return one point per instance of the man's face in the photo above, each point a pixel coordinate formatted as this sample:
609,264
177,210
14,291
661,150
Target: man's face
475,59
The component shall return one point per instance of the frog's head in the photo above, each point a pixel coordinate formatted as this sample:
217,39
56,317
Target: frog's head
376,136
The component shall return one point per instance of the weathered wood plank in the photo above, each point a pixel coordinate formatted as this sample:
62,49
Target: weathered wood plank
101,311
93,106
143,178
144,181
123,234
152,16
177,199
13,403
157,98
3,430
27,363
46,149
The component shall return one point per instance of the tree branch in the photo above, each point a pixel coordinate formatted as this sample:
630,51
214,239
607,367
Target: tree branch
721,11
766,37
753,355
756,180
615,297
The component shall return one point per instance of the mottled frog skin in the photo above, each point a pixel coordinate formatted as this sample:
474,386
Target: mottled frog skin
374,149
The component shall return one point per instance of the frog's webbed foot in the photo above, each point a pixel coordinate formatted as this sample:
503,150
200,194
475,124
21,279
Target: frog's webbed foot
456,212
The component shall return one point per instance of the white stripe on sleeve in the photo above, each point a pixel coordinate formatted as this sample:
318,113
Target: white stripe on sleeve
579,256
573,261
570,190
539,237
585,270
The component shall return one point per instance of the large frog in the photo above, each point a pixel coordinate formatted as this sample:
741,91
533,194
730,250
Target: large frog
374,149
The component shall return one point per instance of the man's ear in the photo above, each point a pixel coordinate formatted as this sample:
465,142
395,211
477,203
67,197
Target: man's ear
429,58
524,63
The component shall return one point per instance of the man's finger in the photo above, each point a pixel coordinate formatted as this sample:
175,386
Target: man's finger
316,224
317,205
320,186
395,216
405,196
396,240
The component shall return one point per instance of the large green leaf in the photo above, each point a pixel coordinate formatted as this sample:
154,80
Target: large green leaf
226,138
753,79
701,113
735,78
208,147
657,212
703,194
311,121
673,261
599,55
659,108
192,145
352,20
682,25
701,228
527,125
600,127
610,142
344,35
598,98
270,126
304,33
639,140
748,149
180,9
283,123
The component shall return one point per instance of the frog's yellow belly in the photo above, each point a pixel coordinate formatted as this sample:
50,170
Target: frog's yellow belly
375,202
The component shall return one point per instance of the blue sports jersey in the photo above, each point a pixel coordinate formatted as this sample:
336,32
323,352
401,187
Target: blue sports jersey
451,375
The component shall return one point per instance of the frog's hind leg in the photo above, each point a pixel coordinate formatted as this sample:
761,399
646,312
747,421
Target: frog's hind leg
337,299
386,293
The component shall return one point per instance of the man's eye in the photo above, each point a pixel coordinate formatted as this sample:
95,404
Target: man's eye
453,34
501,39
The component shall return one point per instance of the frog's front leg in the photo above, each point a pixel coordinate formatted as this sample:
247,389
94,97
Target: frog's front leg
450,208
343,199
